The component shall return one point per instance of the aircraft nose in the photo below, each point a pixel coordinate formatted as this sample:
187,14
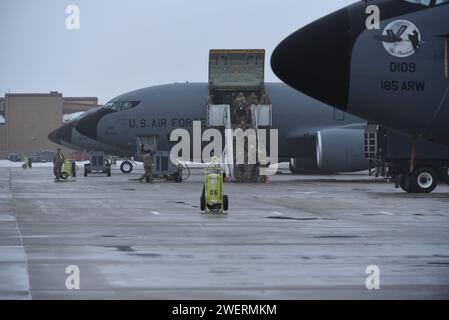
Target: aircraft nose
53,136
316,59
88,125
63,133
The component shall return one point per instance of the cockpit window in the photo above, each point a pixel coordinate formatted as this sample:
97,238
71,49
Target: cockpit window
121,105
438,2
115,105
129,104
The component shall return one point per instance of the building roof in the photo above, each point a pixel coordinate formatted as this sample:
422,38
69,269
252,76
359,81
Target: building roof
52,94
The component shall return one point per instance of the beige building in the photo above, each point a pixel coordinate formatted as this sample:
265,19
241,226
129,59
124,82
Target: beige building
27,119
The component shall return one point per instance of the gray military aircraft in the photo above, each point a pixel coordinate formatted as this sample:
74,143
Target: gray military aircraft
395,75
319,138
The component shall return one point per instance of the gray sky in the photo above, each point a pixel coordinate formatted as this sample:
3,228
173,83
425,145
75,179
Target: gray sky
127,45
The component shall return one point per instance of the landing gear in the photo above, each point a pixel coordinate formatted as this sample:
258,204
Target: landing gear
422,180
126,167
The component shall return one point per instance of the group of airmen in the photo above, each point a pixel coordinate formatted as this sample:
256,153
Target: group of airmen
242,113
59,159
242,107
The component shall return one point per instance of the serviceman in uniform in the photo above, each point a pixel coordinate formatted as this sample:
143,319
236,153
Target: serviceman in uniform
253,99
241,114
239,104
240,100
250,170
210,99
58,162
264,99
241,154
148,166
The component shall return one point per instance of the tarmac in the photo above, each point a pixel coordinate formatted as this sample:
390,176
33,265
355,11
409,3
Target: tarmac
298,237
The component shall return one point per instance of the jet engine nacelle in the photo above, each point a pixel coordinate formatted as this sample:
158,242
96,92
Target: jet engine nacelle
341,150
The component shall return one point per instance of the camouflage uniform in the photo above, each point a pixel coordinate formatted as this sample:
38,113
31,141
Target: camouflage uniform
58,161
252,99
148,166
264,100
210,99
241,167
240,100
239,103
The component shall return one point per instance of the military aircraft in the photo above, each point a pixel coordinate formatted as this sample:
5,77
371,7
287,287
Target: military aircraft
395,75
317,137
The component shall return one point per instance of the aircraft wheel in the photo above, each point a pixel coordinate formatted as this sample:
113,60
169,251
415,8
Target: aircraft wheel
225,203
423,180
403,184
126,167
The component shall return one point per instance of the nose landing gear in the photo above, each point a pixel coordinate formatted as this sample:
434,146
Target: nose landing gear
126,167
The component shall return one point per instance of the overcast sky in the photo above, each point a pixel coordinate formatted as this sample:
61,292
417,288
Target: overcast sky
127,45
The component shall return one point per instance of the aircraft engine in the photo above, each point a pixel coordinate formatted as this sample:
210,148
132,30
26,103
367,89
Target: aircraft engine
341,150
